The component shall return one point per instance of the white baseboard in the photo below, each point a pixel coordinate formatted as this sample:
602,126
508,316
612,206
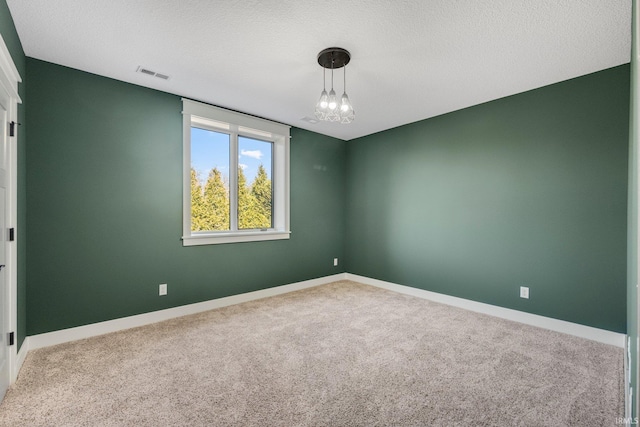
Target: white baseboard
22,354
58,337
87,331
628,390
94,329
582,331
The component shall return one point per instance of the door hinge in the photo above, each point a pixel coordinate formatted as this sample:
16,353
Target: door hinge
12,236
12,128
11,338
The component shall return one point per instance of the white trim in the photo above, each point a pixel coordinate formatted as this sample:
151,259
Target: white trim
11,76
87,331
582,331
12,222
233,186
21,356
186,166
9,79
236,124
627,379
634,164
233,237
81,332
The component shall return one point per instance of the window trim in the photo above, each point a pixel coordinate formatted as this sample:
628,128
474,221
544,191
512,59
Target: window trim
237,124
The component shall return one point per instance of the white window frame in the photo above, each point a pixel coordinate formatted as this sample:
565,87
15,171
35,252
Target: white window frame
235,124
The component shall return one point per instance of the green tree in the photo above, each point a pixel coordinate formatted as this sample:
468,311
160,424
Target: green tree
249,213
199,214
261,191
217,201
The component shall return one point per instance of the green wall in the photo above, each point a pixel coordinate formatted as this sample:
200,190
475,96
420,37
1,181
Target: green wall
526,190
10,37
104,205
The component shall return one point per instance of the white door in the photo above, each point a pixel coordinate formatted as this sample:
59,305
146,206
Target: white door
4,300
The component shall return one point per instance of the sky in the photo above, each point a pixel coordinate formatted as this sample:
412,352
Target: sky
211,149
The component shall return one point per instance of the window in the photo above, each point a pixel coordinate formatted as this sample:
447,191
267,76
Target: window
236,177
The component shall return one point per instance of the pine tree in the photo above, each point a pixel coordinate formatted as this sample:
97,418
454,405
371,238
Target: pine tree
217,201
198,207
261,191
249,214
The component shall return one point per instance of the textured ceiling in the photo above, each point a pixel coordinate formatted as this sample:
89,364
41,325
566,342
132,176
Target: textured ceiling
411,59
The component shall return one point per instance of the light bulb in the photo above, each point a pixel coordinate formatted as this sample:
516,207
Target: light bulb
333,101
347,115
321,106
344,105
324,100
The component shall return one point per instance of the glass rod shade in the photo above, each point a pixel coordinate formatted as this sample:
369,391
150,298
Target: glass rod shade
347,115
322,105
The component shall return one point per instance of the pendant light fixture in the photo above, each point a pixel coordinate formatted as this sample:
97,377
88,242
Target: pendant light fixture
329,108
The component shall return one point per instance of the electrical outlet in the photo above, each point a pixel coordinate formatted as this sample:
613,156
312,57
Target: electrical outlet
524,292
162,289
335,262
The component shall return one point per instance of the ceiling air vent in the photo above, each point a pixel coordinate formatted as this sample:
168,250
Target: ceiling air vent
152,73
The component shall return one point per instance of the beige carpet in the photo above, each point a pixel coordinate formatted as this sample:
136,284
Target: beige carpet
342,354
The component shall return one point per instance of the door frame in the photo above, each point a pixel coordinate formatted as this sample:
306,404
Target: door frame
9,79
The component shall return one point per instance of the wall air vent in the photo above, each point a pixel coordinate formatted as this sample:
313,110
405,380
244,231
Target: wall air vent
152,73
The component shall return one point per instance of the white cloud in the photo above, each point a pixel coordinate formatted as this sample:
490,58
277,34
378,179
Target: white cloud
242,166
256,154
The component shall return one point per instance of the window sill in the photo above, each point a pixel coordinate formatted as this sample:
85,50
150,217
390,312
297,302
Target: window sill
238,237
